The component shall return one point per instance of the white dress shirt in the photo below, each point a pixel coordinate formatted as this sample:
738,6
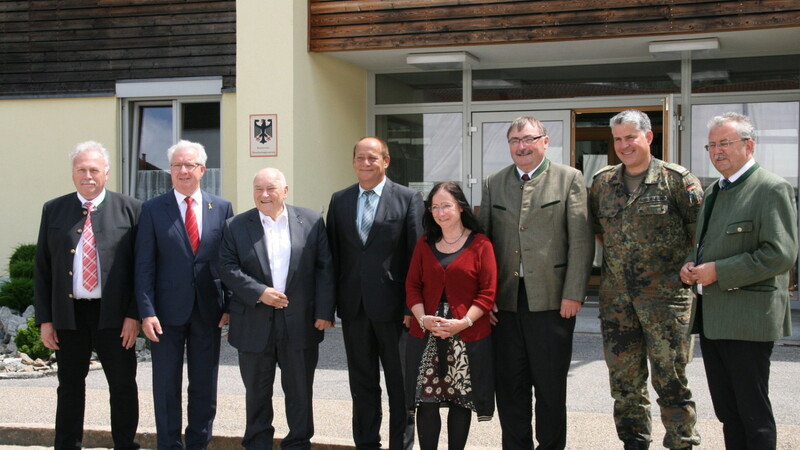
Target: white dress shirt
279,247
197,206
361,200
78,291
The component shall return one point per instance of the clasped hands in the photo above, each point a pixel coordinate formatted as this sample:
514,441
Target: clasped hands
444,328
704,274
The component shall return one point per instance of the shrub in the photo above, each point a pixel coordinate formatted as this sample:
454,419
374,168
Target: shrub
17,293
23,252
29,341
21,269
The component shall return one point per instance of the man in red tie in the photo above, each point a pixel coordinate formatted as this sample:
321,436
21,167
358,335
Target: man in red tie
84,295
180,296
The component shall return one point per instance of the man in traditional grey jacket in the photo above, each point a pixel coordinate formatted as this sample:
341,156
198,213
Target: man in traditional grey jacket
536,214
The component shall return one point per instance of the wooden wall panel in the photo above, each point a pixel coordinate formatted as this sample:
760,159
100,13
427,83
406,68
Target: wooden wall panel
340,25
83,47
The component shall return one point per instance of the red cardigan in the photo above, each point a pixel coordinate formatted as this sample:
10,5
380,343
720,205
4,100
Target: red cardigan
470,279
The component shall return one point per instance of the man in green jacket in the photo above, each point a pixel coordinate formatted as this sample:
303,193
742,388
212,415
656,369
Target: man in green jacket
746,243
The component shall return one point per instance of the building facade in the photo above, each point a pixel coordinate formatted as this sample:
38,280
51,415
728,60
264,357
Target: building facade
439,79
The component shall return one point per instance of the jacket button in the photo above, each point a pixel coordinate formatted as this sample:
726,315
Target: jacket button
72,250
522,228
69,295
516,251
739,229
516,274
85,212
79,230
70,273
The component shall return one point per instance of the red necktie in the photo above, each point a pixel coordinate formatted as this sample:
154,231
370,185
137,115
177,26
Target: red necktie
191,226
89,251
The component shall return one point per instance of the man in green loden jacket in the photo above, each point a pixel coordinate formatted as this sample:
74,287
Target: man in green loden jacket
746,243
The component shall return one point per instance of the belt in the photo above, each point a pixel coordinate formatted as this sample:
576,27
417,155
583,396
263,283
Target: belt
87,299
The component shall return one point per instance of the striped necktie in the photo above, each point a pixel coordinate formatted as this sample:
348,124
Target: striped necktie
367,215
89,260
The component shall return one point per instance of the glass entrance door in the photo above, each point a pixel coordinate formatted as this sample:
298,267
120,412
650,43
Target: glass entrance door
490,151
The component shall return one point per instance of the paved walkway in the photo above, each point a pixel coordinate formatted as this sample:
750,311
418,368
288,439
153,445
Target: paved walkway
26,415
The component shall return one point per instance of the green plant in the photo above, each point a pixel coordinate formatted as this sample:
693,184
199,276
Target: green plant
29,341
23,252
21,269
17,293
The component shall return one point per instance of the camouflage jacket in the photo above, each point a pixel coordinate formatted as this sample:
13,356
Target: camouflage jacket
647,234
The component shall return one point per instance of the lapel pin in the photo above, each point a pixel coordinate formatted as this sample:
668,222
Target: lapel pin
210,207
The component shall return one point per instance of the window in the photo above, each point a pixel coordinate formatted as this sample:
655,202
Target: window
156,115
159,125
424,148
776,137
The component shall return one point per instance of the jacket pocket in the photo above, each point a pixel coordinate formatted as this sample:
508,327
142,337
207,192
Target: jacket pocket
739,227
551,204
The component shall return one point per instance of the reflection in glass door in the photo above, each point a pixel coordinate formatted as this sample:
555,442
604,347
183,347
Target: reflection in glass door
490,151
423,148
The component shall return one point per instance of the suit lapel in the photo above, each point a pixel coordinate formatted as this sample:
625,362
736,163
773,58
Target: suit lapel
380,211
100,225
209,213
296,235
173,213
256,232
350,201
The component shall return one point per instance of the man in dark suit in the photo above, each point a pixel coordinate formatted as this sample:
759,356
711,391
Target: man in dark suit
536,213
373,227
180,296
276,260
746,239
84,296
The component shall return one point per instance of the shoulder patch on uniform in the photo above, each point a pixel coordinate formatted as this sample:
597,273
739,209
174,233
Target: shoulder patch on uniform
603,170
677,168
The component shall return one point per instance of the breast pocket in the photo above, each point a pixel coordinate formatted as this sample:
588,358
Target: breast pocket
738,237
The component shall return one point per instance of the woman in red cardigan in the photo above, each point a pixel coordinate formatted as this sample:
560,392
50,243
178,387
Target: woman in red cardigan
450,289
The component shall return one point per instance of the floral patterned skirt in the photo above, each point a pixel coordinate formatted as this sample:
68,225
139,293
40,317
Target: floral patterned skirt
446,372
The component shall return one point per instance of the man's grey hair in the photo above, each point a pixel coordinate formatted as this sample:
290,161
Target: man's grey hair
90,146
202,157
632,116
520,122
744,127
277,173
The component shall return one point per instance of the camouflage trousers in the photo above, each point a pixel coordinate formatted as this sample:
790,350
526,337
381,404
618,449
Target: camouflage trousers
654,328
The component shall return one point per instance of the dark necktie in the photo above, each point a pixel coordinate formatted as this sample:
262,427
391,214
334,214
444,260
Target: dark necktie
725,184
525,177
191,226
89,248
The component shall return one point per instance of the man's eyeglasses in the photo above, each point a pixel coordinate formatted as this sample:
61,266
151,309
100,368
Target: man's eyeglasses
527,140
188,166
444,207
722,144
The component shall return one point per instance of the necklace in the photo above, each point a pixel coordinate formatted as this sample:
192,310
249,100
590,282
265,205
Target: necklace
457,239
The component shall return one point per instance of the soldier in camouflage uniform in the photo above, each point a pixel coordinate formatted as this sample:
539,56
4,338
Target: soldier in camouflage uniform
644,214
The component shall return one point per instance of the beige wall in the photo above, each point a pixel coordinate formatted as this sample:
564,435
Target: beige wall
320,103
37,166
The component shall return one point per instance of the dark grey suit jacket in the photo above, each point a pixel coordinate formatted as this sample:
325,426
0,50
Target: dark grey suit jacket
374,273
114,224
244,269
